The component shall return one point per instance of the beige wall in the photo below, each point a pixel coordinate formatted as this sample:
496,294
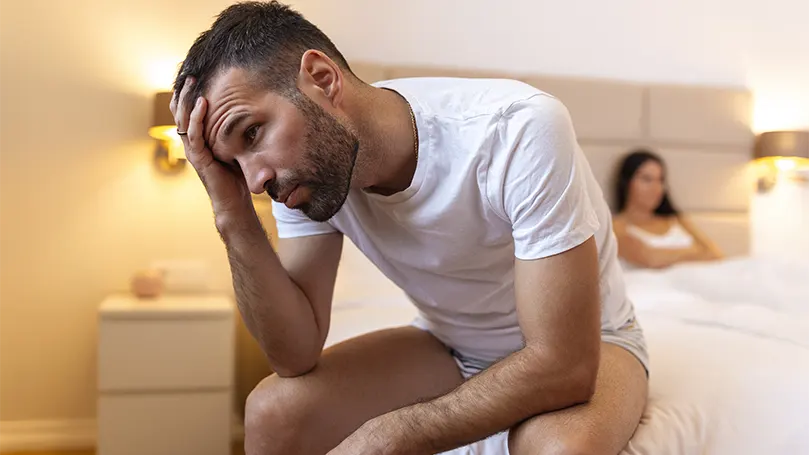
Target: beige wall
753,43
780,218
82,206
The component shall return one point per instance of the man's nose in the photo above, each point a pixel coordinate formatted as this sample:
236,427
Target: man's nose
257,180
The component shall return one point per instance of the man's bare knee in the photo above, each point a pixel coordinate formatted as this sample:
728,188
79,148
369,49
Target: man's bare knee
533,438
277,414
557,445
578,445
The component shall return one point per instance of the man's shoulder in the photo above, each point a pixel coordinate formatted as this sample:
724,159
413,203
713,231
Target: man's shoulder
463,98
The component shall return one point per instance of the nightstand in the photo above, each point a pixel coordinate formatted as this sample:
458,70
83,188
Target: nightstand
166,375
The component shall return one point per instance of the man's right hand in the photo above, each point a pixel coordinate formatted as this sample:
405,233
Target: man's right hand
224,183
285,298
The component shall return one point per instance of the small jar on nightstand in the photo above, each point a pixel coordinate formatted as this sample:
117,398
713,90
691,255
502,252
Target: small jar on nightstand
165,375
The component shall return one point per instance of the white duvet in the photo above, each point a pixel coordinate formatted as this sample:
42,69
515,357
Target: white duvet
729,348
764,297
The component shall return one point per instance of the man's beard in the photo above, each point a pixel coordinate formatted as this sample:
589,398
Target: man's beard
330,152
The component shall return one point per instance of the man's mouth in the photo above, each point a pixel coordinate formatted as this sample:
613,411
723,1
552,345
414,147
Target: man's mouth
289,198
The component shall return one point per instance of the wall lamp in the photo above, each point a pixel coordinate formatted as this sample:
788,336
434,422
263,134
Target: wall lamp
169,153
780,152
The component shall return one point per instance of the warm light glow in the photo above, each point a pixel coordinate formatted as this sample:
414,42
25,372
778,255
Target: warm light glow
160,73
172,141
785,164
781,164
164,132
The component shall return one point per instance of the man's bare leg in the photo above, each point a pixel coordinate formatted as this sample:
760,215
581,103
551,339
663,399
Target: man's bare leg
354,381
603,426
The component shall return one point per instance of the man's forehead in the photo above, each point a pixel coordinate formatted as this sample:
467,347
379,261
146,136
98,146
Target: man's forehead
227,80
225,87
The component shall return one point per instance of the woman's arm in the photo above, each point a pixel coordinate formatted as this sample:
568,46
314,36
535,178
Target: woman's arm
633,250
708,250
630,248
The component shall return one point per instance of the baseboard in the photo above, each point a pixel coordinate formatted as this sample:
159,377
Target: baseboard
56,435
30,435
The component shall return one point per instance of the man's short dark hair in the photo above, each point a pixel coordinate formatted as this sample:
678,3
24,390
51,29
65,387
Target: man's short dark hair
266,38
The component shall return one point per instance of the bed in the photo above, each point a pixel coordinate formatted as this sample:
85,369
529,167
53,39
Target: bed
729,343
729,340
729,348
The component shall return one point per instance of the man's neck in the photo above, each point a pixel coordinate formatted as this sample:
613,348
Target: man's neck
386,161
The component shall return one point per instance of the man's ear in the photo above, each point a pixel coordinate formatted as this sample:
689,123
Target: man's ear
320,78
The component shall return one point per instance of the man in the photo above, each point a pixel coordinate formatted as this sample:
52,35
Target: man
471,195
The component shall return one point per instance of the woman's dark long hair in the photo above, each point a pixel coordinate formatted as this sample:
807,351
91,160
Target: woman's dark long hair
632,162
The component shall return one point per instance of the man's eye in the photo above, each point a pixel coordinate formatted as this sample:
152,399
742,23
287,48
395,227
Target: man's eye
250,134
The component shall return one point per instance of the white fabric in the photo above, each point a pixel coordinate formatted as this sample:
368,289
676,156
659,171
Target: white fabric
499,175
776,285
729,347
676,237
718,390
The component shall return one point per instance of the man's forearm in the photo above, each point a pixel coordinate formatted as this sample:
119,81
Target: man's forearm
520,386
274,308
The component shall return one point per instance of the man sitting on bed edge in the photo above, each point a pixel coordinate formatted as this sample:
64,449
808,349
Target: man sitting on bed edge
471,195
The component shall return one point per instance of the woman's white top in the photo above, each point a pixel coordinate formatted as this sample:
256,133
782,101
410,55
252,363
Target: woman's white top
675,238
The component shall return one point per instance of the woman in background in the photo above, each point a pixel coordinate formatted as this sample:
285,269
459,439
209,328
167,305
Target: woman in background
651,232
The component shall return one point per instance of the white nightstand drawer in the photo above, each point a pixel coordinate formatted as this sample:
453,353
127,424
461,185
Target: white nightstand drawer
165,354
165,424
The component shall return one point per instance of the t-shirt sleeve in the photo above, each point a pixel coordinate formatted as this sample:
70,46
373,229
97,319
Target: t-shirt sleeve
293,223
541,183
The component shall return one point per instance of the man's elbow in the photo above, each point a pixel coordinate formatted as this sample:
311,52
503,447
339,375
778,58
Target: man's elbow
575,379
295,365
294,370
581,379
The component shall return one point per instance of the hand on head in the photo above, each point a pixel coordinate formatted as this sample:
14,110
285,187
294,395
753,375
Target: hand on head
224,183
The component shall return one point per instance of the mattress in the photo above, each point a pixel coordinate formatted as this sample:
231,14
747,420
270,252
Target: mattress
729,349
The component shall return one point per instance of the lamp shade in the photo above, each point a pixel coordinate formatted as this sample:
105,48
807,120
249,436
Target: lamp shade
161,114
782,144
164,130
163,127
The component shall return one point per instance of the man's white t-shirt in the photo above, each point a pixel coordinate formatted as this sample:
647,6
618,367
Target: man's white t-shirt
499,175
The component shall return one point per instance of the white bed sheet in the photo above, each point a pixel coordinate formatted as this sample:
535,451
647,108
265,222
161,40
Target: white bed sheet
764,297
729,349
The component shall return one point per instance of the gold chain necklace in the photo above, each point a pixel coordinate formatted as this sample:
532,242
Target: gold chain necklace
412,121
415,130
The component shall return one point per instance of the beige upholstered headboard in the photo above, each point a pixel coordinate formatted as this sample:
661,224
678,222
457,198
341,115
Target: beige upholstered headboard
703,134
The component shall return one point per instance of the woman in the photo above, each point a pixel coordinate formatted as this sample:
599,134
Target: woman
651,232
